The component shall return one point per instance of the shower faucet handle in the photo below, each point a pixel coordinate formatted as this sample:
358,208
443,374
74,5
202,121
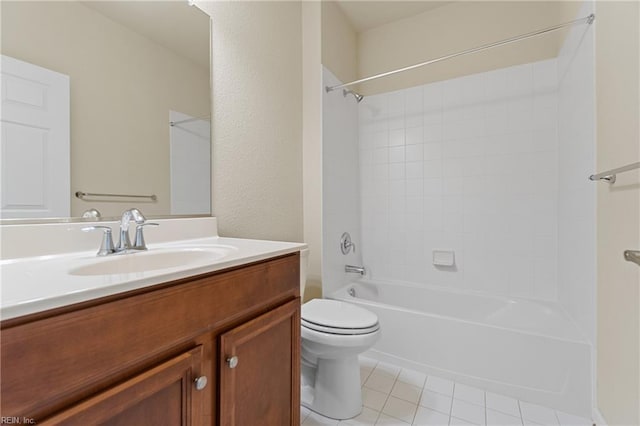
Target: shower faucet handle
346,244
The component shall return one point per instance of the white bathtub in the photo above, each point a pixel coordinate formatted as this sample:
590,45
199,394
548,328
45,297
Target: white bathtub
529,350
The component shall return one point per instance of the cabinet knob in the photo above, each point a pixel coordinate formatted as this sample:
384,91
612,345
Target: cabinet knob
201,382
232,362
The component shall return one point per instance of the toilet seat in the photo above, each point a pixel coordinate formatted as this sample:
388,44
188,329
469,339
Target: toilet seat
335,330
336,317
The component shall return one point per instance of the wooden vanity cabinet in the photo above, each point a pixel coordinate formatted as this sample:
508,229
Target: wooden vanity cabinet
133,358
257,385
164,395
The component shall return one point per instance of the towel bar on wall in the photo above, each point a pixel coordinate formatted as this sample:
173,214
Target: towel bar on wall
610,175
632,256
83,195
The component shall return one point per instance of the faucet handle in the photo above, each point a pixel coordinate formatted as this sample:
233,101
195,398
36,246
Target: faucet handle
346,245
106,246
139,243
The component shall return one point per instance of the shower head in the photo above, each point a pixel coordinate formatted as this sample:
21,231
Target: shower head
358,96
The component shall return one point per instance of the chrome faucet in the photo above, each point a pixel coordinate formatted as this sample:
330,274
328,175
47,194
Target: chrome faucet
127,216
106,247
355,269
125,243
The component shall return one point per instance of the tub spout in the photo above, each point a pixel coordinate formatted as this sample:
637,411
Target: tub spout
355,269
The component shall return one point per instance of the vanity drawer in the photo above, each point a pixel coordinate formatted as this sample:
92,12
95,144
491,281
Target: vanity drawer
51,362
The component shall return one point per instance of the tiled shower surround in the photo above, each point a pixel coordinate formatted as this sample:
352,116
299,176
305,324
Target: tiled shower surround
493,167
469,165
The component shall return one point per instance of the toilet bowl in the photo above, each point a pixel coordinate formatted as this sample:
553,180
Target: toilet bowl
333,334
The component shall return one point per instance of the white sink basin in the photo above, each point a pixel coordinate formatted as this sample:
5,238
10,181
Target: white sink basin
151,260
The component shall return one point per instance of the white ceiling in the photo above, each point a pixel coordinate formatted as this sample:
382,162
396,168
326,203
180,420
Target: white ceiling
184,29
366,14
175,25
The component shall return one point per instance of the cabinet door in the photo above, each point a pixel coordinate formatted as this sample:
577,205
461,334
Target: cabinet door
260,370
164,395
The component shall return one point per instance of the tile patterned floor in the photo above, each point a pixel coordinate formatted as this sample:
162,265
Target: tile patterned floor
393,396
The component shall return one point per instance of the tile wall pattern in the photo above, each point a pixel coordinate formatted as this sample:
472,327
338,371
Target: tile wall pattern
469,164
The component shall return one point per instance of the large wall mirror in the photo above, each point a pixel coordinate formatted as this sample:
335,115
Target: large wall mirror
138,107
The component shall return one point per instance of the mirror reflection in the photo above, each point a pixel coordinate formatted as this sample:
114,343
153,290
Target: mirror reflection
105,97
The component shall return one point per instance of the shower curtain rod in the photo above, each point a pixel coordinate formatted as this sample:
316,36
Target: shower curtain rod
586,20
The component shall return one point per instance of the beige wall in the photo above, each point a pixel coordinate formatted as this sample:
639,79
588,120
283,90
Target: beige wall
618,210
312,142
339,43
257,118
119,114
455,27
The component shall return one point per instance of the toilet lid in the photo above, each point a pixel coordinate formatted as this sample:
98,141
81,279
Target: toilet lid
333,315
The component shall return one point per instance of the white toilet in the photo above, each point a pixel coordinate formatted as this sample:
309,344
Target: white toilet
333,334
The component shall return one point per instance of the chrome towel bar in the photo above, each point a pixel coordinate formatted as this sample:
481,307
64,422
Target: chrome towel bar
83,195
632,256
610,175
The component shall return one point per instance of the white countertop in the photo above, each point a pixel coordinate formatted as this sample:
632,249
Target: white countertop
39,283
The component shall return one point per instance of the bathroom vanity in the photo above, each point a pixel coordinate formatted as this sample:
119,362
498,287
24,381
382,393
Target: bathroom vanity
213,344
